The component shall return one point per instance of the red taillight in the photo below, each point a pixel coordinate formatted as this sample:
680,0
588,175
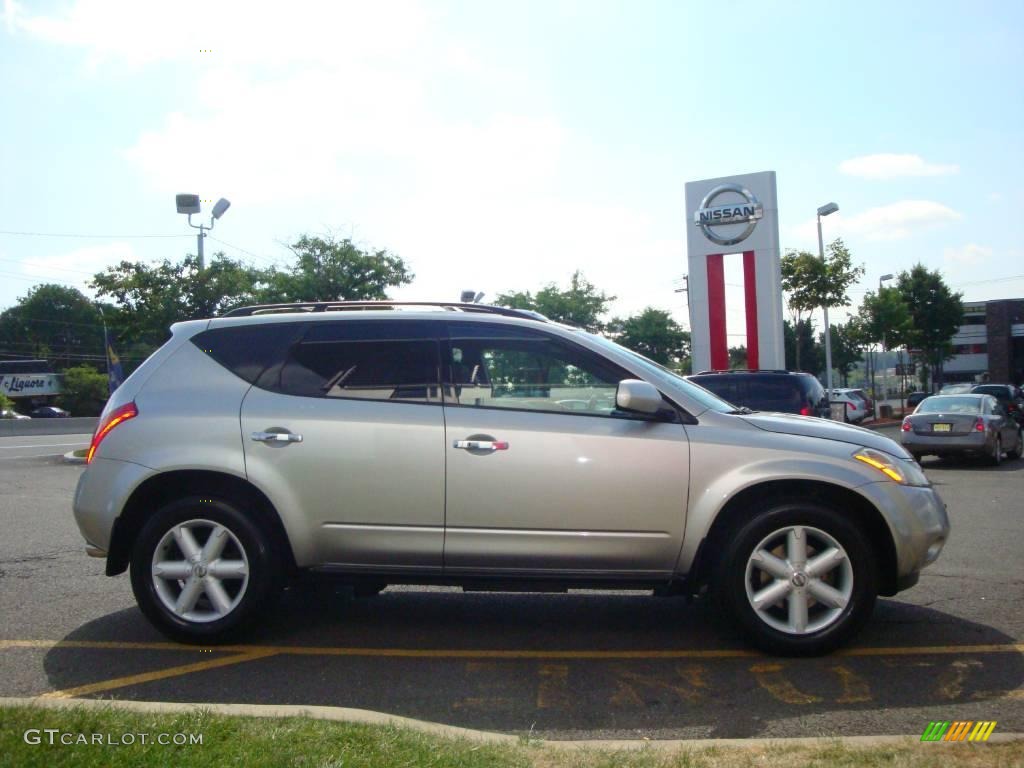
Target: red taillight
805,411
979,425
119,416
905,426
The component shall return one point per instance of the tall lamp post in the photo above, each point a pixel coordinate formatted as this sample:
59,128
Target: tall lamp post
881,280
874,357
189,204
825,210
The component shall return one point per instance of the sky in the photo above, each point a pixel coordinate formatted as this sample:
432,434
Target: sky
500,146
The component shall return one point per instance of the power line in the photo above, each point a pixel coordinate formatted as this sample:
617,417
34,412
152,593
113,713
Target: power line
272,262
84,236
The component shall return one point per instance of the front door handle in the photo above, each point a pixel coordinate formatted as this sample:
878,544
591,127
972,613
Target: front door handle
481,445
276,437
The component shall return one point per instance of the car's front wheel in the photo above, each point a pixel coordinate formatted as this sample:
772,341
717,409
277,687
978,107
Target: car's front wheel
798,579
201,568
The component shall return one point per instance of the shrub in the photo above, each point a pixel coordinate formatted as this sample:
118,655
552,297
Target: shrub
84,391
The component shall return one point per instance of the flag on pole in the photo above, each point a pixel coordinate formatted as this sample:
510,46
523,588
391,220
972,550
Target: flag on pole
115,374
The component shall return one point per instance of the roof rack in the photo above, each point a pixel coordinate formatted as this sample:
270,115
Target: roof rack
746,370
342,306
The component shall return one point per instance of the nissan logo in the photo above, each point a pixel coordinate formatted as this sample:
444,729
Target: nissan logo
709,217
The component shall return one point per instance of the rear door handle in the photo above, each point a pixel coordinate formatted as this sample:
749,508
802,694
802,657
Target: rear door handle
481,445
276,437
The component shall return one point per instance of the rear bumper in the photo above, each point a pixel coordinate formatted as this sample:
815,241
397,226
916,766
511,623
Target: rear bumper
975,442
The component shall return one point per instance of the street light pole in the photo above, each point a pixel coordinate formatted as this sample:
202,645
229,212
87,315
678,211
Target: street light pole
825,210
189,204
874,357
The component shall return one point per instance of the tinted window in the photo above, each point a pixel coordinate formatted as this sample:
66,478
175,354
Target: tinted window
248,350
508,367
992,389
365,361
760,393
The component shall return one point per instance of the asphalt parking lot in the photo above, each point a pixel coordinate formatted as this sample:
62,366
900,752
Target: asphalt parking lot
583,665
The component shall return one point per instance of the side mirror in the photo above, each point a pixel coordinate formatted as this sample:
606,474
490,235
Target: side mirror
638,396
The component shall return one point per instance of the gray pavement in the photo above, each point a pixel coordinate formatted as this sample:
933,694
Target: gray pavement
586,665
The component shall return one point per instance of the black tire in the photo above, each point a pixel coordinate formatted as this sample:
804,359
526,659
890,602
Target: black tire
264,569
1016,452
996,457
731,580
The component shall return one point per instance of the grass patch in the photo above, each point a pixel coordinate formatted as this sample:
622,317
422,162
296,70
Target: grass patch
300,742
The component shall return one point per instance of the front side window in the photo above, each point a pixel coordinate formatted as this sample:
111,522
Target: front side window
387,361
509,367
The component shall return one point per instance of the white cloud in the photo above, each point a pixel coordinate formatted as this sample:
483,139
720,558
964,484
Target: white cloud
76,267
967,255
891,166
895,221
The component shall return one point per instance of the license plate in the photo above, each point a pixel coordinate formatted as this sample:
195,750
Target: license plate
941,427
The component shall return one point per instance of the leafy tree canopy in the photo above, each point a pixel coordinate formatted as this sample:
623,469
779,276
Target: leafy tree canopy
655,334
581,304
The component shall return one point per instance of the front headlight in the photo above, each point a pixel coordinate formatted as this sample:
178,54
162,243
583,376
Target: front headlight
897,470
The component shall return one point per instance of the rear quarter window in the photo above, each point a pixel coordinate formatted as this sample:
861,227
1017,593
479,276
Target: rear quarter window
248,350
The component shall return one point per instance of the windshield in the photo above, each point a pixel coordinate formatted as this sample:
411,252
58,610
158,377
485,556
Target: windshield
659,372
950,405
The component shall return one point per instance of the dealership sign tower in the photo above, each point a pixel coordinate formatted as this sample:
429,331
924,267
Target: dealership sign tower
736,214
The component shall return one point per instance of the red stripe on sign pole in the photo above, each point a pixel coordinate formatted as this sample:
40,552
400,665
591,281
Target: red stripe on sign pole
716,313
750,297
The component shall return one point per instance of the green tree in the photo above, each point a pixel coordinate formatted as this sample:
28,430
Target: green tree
738,357
812,283
53,321
653,333
936,313
334,270
6,404
807,355
83,391
581,304
150,298
846,348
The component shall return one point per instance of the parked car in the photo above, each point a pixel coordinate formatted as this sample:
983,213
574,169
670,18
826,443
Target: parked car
427,445
956,389
49,412
949,425
856,406
1008,395
870,404
772,391
7,413
914,399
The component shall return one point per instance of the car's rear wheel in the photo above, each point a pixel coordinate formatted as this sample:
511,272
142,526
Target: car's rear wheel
798,579
201,568
996,457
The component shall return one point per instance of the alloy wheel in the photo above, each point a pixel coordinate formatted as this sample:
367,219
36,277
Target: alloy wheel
200,571
799,580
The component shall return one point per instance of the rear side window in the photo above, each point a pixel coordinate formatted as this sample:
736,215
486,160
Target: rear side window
992,389
248,350
388,361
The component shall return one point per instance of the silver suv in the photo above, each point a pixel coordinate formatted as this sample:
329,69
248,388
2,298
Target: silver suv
483,447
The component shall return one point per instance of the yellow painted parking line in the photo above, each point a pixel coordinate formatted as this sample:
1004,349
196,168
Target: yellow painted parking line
160,674
483,653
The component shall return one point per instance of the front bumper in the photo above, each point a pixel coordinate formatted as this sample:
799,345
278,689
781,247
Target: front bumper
918,522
